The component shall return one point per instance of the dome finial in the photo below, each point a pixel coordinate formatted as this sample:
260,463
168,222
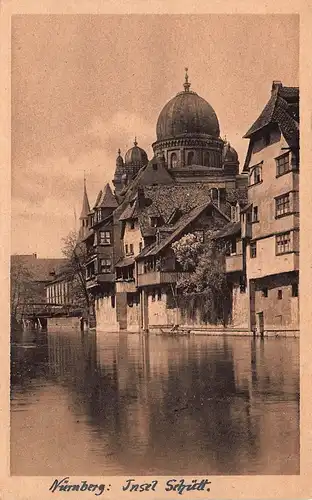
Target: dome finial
135,141
186,84
119,152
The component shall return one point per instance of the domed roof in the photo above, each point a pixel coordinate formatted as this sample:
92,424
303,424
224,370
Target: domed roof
136,156
187,113
229,153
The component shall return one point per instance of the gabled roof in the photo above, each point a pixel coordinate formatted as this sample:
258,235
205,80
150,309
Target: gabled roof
231,229
107,199
155,173
39,269
281,109
181,225
98,199
130,212
277,111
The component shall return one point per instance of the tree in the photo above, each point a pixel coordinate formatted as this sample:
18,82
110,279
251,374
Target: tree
204,287
21,290
75,271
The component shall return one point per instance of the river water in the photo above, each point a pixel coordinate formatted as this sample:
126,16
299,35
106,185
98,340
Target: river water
112,404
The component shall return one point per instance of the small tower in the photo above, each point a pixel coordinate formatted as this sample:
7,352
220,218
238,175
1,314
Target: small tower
119,171
230,158
83,229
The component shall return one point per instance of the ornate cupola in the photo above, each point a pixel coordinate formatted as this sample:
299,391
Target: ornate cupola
188,131
230,158
135,158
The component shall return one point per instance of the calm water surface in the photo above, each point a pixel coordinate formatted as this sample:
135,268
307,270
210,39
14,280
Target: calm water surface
128,404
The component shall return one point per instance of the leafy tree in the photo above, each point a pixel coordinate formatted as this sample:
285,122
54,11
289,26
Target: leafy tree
21,290
75,271
204,287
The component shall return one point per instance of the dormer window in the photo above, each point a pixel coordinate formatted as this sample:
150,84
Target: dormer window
155,221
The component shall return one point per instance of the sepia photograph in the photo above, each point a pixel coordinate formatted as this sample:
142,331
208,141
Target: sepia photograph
154,267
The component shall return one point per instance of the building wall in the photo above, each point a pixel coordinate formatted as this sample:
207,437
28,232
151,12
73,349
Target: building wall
132,237
278,314
240,304
267,262
262,195
158,312
133,318
63,324
106,315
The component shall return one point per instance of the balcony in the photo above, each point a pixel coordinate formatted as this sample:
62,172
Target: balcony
126,286
100,279
234,263
160,277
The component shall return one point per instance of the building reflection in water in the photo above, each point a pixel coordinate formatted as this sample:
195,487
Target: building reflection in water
175,405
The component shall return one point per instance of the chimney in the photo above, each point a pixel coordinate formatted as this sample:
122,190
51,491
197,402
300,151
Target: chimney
34,255
276,85
141,197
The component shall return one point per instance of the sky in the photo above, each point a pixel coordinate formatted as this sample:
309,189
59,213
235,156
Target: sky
85,85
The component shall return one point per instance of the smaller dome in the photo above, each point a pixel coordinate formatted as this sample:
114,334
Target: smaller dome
136,156
229,154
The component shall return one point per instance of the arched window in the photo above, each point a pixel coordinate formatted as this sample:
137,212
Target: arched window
174,160
190,158
206,159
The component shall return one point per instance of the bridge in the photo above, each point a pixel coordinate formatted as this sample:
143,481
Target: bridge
35,315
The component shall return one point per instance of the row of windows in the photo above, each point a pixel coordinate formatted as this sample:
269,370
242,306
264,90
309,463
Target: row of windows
282,245
283,206
294,292
210,159
283,165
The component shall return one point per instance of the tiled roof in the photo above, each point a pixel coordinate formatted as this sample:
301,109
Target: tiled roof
165,200
231,229
264,118
239,195
181,225
289,93
107,199
277,110
128,261
39,269
98,199
145,251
